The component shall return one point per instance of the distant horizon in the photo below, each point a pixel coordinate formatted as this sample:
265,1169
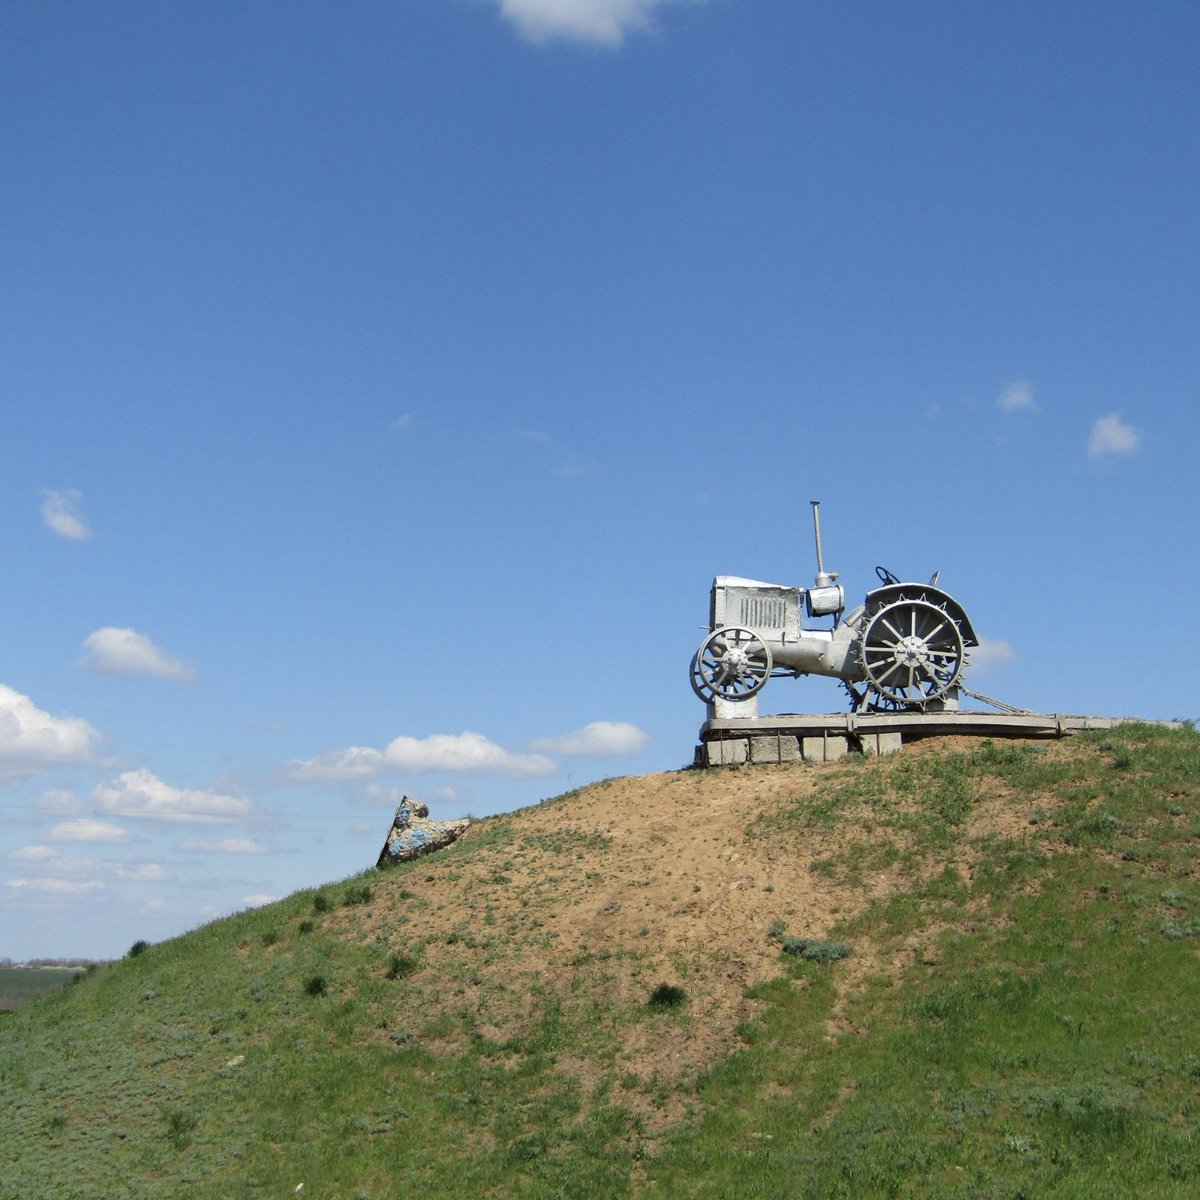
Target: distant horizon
38,961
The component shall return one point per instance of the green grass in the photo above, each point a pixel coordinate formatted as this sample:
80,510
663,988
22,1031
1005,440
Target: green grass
1043,1040
1053,1049
19,985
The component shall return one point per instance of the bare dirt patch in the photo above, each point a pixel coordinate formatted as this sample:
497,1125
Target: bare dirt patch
630,883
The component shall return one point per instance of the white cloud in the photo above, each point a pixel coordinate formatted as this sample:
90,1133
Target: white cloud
991,652
112,651
58,887
1110,435
141,794
142,873
31,738
469,753
600,739
603,21
76,875
386,794
401,423
390,795
60,514
352,762
258,900
33,854
59,800
1017,397
226,846
85,830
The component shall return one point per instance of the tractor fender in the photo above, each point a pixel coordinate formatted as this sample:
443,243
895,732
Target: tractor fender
881,597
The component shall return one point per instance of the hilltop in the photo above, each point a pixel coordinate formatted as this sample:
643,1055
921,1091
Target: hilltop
965,970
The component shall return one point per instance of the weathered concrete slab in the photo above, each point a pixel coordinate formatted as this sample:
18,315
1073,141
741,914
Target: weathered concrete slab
826,737
723,752
733,710
825,748
775,748
877,742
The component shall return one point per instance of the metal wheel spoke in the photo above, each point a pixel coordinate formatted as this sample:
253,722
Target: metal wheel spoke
910,670
733,663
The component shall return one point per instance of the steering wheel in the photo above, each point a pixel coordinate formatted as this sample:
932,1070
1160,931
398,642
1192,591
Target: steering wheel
885,576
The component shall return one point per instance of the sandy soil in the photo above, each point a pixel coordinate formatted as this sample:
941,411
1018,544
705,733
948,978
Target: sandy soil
667,878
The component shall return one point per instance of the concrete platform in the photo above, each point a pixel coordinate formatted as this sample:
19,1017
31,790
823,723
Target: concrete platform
826,737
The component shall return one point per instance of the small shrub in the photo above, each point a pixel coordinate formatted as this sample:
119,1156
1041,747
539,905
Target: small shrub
751,1031
814,949
270,937
321,903
666,996
314,985
401,965
1173,930
1102,822
139,947
305,927
357,895
180,1126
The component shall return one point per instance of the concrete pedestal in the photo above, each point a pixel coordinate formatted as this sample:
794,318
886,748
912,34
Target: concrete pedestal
827,737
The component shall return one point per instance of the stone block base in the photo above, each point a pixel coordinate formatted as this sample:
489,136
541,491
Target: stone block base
880,743
729,752
774,748
827,748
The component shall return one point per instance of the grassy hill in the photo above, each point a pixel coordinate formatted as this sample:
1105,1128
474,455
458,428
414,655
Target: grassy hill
968,970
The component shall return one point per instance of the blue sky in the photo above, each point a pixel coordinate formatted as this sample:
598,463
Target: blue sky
384,383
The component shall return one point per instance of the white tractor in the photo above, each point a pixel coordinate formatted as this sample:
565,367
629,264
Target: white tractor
903,649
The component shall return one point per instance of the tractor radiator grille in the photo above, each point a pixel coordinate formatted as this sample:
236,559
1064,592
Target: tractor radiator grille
763,612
